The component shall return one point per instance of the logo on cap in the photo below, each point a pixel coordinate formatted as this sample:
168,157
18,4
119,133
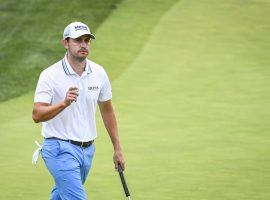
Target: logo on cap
80,28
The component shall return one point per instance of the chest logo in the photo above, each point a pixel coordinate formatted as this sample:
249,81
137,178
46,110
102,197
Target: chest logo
93,88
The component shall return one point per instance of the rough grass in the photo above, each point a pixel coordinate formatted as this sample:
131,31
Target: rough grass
31,33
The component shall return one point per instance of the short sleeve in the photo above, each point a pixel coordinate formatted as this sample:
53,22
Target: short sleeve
106,90
43,91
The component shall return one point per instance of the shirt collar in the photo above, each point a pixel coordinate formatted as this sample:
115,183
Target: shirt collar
88,67
69,70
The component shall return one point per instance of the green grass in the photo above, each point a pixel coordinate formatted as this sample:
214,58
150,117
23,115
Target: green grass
192,100
31,33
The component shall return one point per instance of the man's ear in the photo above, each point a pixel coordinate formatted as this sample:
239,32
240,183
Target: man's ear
64,43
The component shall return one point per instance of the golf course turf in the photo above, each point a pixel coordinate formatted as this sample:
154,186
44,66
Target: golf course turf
191,90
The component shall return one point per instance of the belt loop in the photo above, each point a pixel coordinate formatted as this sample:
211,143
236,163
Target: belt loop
82,145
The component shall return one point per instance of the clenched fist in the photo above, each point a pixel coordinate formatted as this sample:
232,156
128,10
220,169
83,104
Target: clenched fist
71,95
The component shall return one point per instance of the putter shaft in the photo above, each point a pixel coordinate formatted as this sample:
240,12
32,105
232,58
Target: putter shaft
124,184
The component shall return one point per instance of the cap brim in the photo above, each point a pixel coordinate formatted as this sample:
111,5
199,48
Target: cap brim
79,35
92,36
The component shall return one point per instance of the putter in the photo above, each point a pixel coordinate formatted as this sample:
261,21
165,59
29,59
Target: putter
123,180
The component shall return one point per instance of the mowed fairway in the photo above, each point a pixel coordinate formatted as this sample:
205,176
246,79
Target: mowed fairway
192,102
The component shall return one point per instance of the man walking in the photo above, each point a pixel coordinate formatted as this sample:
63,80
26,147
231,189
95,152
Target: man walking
65,101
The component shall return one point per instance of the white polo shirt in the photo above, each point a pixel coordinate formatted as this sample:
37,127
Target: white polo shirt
77,121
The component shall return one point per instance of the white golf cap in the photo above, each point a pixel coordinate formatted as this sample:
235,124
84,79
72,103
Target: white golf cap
77,29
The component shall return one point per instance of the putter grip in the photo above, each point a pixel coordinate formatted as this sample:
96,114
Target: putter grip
122,177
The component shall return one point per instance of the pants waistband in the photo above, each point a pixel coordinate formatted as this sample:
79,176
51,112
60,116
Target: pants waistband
80,144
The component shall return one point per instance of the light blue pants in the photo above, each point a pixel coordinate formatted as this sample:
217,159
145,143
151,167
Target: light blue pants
69,165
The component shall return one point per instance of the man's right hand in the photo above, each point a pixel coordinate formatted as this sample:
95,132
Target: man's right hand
43,111
71,95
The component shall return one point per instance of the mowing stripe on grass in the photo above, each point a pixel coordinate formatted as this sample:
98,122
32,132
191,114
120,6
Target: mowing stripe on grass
193,105
124,34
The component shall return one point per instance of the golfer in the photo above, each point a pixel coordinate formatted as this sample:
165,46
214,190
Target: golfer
65,102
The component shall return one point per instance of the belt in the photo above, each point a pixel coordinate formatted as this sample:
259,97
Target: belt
80,144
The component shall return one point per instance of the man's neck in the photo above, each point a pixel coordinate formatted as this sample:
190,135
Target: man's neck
77,65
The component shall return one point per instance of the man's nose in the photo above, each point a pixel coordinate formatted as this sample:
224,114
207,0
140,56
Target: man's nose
84,44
